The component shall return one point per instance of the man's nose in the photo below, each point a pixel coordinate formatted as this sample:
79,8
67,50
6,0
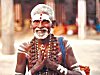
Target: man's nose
40,25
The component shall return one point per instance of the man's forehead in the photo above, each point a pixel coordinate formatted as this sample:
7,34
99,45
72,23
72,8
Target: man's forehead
41,17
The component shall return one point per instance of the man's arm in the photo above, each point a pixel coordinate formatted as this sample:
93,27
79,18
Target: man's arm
71,62
72,67
22,58
21,64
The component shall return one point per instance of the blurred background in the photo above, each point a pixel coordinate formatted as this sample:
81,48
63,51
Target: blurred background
77,20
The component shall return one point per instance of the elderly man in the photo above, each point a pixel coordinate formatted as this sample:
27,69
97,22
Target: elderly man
43,55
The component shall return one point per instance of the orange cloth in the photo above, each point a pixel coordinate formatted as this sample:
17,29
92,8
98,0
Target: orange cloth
59,30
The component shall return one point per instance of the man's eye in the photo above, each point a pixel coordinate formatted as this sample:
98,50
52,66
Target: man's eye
36,30
45,21
44,30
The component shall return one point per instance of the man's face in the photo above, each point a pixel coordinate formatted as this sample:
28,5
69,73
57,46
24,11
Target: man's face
41,28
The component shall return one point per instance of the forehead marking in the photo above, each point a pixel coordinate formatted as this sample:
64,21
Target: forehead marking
40,16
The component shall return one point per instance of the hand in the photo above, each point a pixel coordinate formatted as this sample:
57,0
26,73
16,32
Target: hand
39,64
51,64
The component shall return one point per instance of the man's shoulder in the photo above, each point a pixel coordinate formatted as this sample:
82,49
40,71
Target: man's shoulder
25,46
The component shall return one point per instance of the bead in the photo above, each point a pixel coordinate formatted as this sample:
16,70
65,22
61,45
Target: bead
38,53
51,49
34,54
54,52
48,54
36,43
50,40
37,48
48,51
54,48
42,51
49,45
55,44
33,47
54,57
45,53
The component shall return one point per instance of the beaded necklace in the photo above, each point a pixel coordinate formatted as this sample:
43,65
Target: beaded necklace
50,50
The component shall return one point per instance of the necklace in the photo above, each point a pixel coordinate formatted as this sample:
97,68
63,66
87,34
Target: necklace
42,50
49,50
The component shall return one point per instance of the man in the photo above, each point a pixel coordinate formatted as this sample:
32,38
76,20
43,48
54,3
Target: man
43,54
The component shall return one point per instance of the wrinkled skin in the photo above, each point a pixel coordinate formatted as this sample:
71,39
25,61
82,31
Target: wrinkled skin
51,64
41,61
41,28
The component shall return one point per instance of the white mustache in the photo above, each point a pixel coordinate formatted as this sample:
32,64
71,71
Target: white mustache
40,29
43,34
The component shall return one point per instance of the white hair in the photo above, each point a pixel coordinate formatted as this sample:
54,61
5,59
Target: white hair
43,8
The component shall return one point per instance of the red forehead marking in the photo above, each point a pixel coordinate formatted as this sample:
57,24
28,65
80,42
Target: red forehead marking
40,16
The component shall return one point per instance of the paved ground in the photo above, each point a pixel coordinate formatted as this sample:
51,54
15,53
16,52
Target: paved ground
87,53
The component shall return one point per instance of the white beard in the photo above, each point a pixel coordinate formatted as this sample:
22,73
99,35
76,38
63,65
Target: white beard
41,36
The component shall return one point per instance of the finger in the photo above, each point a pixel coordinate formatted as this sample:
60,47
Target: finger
34,61
40,56
43,62
45,55
45,58
48,60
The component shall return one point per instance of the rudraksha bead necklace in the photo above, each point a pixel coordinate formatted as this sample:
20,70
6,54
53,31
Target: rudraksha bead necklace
49,50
